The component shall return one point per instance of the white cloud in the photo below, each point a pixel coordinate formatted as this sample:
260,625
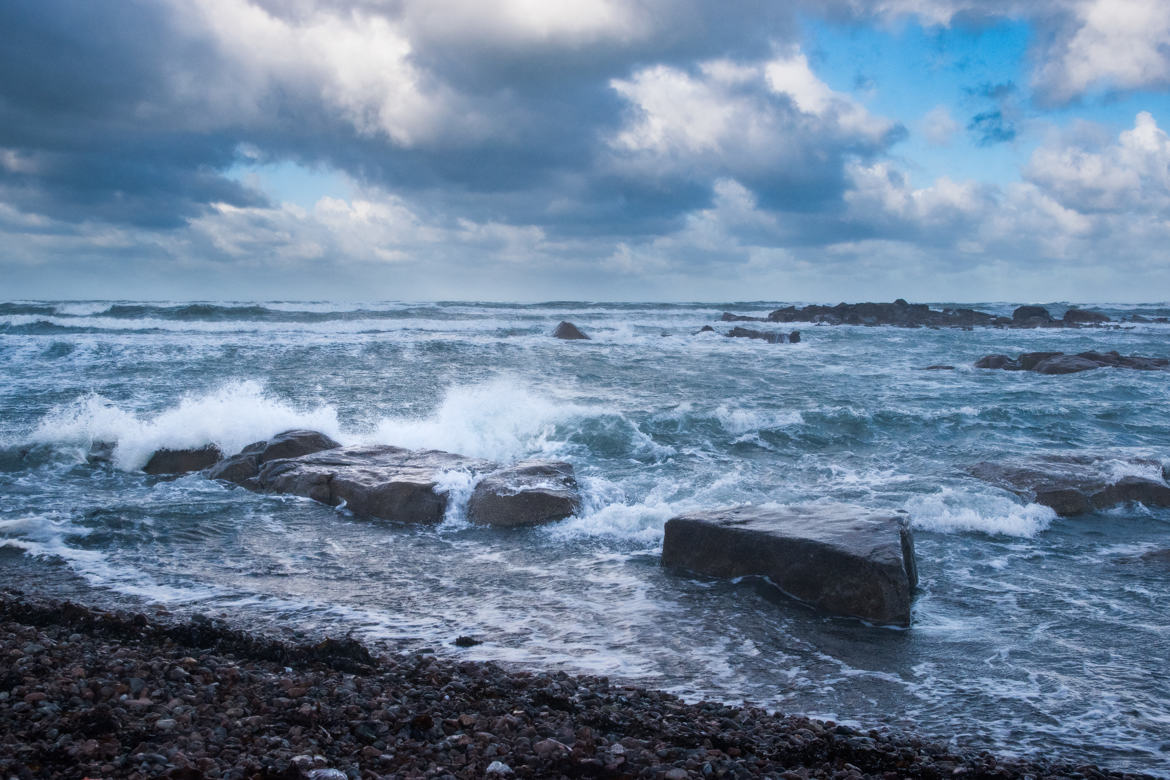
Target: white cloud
938,126
1132,174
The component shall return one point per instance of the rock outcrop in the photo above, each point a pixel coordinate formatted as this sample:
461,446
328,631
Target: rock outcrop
183,461
1078,484
918,315
393,483
1075,316
568,331
245,465
840,559
770,336
1060,363
529,493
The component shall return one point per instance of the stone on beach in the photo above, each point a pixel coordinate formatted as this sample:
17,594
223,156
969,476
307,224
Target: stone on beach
843,560
529,493
182,461
569,331
1077,484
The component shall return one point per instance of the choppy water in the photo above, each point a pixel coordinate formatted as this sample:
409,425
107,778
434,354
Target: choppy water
1032,634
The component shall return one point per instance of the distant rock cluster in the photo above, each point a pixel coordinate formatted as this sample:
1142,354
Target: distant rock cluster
919,315
1060,363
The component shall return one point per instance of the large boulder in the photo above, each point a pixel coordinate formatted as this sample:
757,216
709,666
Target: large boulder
529,493
389,483
840,559
1073,484
243,467
772,337
1031,316
1075,316
569,331
182,461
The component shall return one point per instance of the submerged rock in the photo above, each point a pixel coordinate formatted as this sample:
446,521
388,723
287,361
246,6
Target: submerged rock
1060,363
529,493
245,465
840,559
567,330
1077,484
168,461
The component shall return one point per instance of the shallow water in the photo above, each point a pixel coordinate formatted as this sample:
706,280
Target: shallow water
1032,634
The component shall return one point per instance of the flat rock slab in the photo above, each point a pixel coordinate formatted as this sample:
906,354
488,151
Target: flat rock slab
841,559
529,493
1060,363
1077,484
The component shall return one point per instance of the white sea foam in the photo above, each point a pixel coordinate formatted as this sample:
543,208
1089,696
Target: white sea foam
951,510
741,421
502,419
232,417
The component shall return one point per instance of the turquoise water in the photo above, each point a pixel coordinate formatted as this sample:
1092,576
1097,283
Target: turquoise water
1032,634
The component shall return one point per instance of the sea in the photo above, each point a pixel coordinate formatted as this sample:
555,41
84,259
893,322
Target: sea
1033,635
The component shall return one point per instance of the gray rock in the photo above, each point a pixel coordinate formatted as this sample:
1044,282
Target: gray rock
390,483
567,330
1075,316
1065,364
1030,315
772,337
1075,484
244,466
840,559
167,461
1060,363
529,493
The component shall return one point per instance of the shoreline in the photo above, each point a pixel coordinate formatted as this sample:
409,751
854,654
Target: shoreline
105,693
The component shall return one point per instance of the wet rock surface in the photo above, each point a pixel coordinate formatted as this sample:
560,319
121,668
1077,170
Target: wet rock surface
770,336
1060,363
245,465
843,560
569,331
389,483
1078,484
183,461
900,313
87,693
529,493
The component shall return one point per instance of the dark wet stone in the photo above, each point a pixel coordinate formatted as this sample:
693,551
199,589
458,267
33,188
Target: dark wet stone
900,313
843,560
1060,363
938,367
772,337
466,641
389,483
567,330
1075,484
1075,316
100,452
1030,315
167,461
529,493
245,465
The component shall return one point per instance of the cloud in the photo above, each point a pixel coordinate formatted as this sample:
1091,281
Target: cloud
1129,175
990,127
938,126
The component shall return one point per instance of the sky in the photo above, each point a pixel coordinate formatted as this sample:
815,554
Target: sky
812,150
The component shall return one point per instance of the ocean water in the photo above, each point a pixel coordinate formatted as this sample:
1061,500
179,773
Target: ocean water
1032,635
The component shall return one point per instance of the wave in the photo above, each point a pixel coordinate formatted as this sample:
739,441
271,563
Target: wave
955,510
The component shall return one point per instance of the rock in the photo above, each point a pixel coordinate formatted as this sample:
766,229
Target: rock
729,317
1075,316
771,337
900,313
794,337
529,493
938,367
840,559
1156,556
245,465
1030,316
167,461
1076,484
497,769
466,641
1065,364
100,452
1060,363
705,329
389,483
567,330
